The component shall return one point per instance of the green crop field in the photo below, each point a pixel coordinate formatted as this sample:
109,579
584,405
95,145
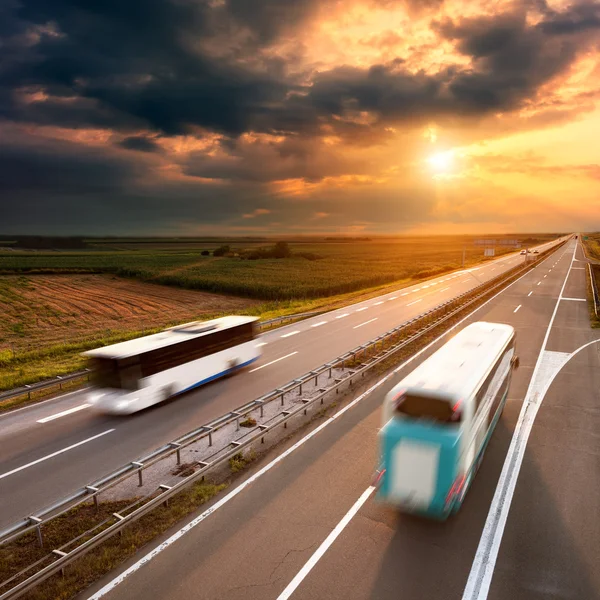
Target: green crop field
331,267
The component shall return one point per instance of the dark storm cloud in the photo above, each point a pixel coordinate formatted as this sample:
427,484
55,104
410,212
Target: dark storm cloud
138,64
141,143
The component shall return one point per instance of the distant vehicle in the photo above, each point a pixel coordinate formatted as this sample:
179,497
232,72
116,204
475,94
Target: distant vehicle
136,374
438,421
536,251
523,252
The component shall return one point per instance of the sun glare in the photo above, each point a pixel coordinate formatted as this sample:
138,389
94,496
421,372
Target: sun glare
441,162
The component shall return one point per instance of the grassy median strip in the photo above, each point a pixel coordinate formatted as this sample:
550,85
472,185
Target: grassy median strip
100,561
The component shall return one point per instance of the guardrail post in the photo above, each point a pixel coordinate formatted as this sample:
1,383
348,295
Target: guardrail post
38,521
178,446
60,554
139,466
93,490
210,430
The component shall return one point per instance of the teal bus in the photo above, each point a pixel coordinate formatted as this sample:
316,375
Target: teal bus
439,419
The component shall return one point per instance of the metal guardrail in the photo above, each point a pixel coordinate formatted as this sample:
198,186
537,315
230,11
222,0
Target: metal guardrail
595,292
421,325
60,380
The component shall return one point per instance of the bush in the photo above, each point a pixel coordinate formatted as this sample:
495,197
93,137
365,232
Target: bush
221,251
282,250
205,253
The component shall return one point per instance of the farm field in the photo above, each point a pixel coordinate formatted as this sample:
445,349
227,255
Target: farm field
314,270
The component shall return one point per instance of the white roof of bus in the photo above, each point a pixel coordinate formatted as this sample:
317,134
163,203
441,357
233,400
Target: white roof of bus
173,335
457,368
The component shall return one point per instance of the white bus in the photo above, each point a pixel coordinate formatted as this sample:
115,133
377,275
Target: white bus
439,419
133,375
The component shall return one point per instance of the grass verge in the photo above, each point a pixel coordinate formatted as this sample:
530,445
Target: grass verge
594,320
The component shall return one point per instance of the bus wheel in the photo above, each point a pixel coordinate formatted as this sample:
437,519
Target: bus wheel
233,364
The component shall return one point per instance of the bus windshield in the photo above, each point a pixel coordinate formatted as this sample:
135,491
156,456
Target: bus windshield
426,407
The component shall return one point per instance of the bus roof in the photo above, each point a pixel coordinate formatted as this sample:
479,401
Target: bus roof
458,367
172,335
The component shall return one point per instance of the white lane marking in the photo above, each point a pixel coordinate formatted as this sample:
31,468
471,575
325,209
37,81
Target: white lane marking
39,460
273,362
444,290
365,323
63,413
405,294
417,290
38,404
378,303
465,281
518,307
320,551
290,334
482,570
342,316
393,297
148,557
261,344
574,299
361,309
539,282
411,303
578,268
545,276
319,324
425,287
529,294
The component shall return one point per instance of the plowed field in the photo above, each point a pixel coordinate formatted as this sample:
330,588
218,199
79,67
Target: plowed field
53,309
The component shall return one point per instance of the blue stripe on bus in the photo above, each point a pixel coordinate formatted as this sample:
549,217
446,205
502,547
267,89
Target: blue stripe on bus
218,375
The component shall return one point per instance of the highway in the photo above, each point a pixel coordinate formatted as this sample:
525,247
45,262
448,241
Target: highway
52,448
306,526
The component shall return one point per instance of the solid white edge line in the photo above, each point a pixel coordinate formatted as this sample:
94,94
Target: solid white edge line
314,559
113,583
484,562
39,460
63,413
365,323
574,299
273,362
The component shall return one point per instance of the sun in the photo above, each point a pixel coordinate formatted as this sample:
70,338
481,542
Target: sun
441,162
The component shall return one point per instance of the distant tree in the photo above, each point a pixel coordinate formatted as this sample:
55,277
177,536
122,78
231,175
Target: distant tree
221,251
205,253
282,250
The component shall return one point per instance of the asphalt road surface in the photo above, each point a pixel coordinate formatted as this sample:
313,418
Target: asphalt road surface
307,527
51,449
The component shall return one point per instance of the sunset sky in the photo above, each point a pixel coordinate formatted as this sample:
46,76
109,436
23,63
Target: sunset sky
204,117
